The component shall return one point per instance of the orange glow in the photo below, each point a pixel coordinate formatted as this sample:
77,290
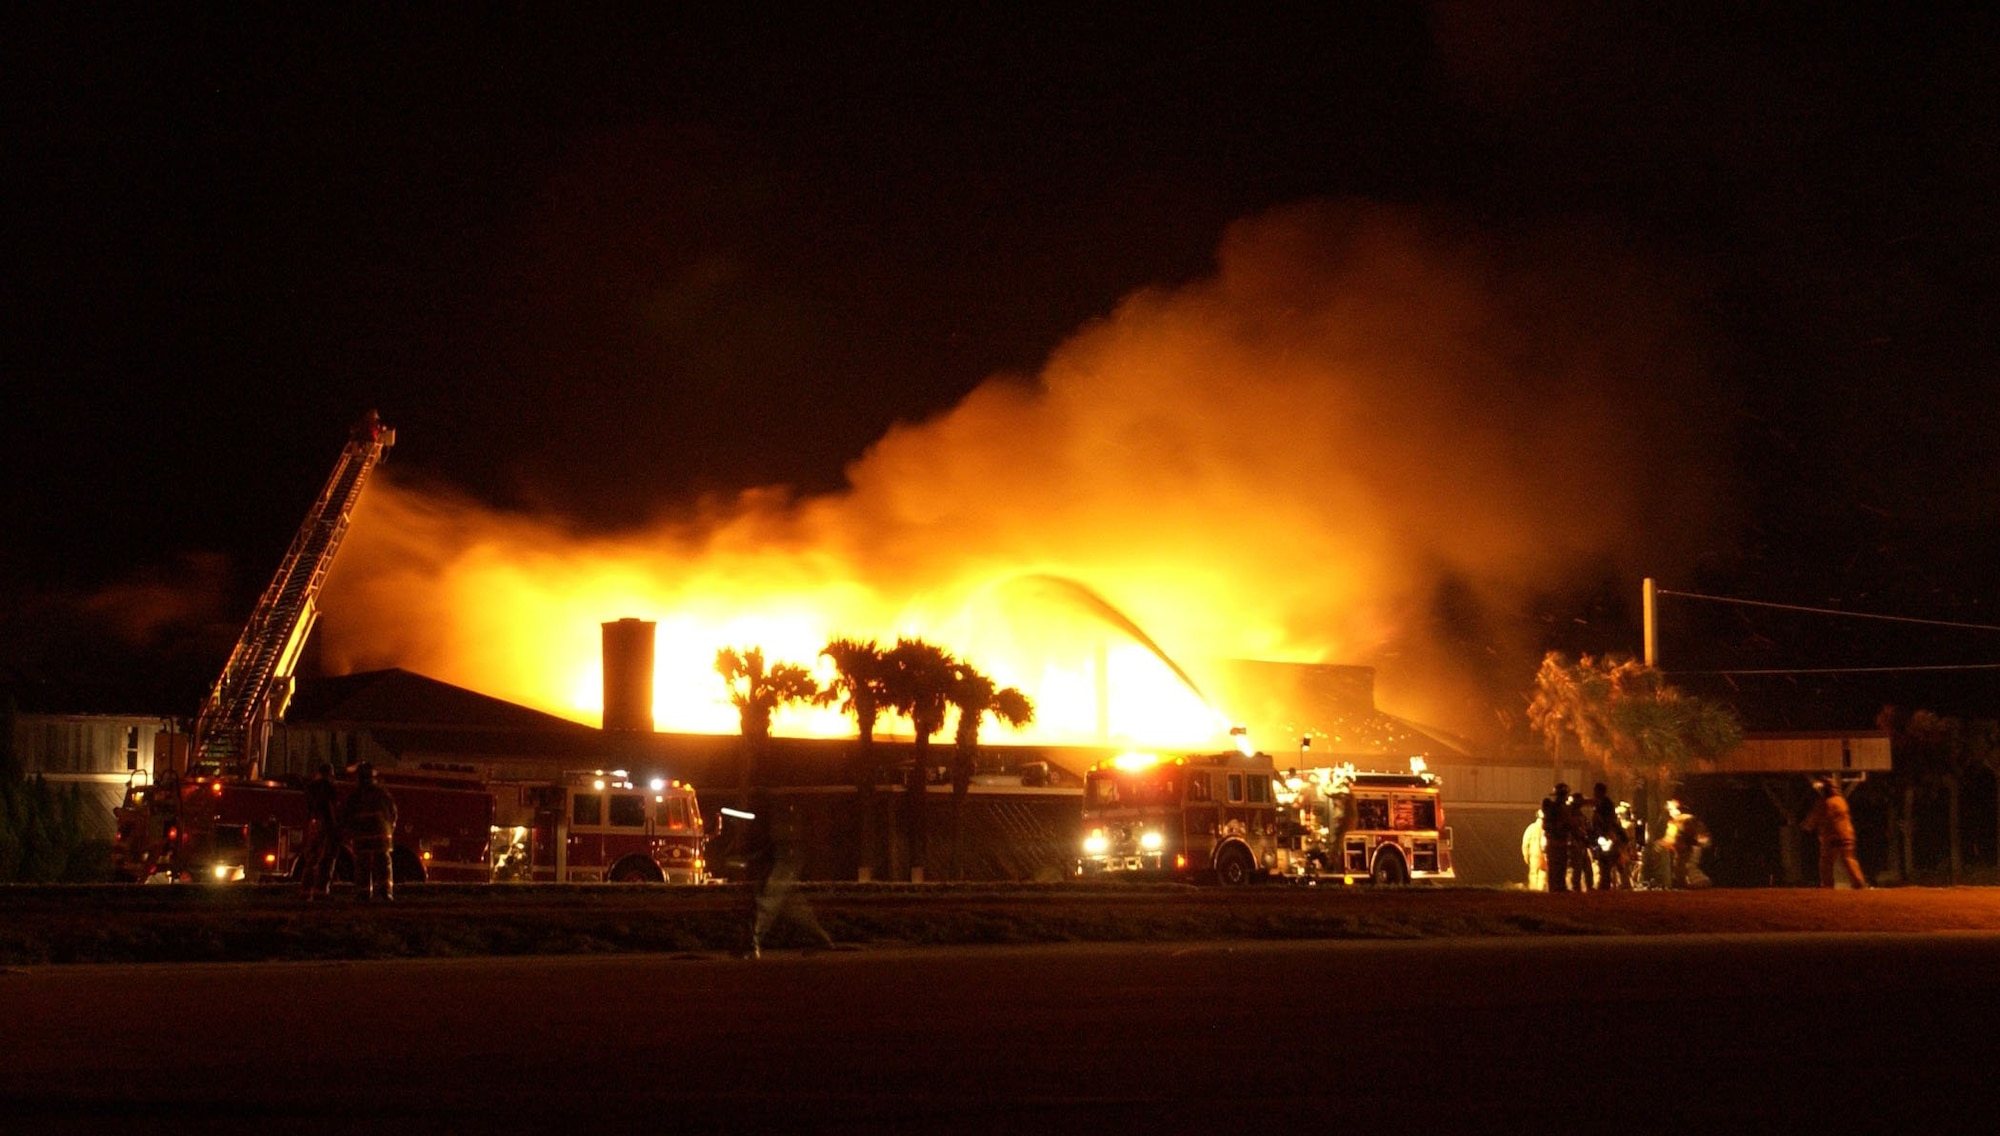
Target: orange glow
1290,461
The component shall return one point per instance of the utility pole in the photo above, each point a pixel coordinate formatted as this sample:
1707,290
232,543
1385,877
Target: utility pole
1650,602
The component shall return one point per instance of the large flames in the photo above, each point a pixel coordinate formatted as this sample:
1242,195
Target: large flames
1297,459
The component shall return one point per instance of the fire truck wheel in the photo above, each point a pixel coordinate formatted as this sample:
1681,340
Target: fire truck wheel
1233,868
636,870
405,867
1389,870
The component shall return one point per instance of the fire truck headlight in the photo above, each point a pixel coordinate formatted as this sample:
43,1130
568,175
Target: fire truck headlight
222,871
1151,841
1095,844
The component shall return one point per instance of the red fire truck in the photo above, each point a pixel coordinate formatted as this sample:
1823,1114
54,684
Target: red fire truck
599,827
209,815
1235,818
226,828
453,825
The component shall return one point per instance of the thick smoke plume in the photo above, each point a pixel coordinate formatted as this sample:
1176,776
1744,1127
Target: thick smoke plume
1368,438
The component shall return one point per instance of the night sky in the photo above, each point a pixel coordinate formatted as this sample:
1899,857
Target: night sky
601,264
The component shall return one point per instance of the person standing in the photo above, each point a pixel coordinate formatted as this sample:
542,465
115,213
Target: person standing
1535,854
1632,850
368,821
1555,836
322,839
1834,824
1579,843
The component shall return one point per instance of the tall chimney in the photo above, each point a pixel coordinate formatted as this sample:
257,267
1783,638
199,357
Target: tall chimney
628,675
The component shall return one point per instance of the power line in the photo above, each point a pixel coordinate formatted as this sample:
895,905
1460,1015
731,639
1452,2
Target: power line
1828,611
1844,670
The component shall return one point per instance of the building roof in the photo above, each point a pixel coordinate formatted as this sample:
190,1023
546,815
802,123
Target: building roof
396,697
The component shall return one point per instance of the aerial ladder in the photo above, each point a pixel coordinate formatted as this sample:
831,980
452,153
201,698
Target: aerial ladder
256,685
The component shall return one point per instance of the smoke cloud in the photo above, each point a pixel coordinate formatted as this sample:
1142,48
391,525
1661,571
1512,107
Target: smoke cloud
1370,436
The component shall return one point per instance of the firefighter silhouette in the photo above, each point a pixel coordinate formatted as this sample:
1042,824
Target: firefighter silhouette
1607,839
322,840
1555,836
368,822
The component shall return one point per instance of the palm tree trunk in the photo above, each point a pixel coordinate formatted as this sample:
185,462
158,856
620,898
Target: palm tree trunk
1892,838
1951,786
913,803
865,839
1909,843
957,833
863,771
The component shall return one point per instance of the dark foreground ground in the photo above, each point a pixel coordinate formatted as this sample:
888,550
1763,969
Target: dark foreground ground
1743,1032
119,924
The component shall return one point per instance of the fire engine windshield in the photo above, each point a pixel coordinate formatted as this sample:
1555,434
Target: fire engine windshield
1113,790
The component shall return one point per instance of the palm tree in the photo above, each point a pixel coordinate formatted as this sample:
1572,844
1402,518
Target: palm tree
918,682
1628,719
975,696
861,688
757,691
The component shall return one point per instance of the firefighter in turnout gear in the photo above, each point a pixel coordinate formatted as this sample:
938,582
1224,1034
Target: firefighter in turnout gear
1556,836
1632,849
322,842
1607,839
1831,821
368,822
1579,843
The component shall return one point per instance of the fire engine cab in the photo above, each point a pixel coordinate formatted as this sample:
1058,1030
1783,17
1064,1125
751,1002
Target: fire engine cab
1234,818
1341,822
599,826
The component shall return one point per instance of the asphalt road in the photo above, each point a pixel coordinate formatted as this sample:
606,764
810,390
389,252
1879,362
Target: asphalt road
1722,1031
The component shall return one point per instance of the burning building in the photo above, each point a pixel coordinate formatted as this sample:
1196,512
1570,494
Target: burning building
1368,439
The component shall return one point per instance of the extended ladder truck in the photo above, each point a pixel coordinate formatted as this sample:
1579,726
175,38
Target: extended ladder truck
209,814
196,818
